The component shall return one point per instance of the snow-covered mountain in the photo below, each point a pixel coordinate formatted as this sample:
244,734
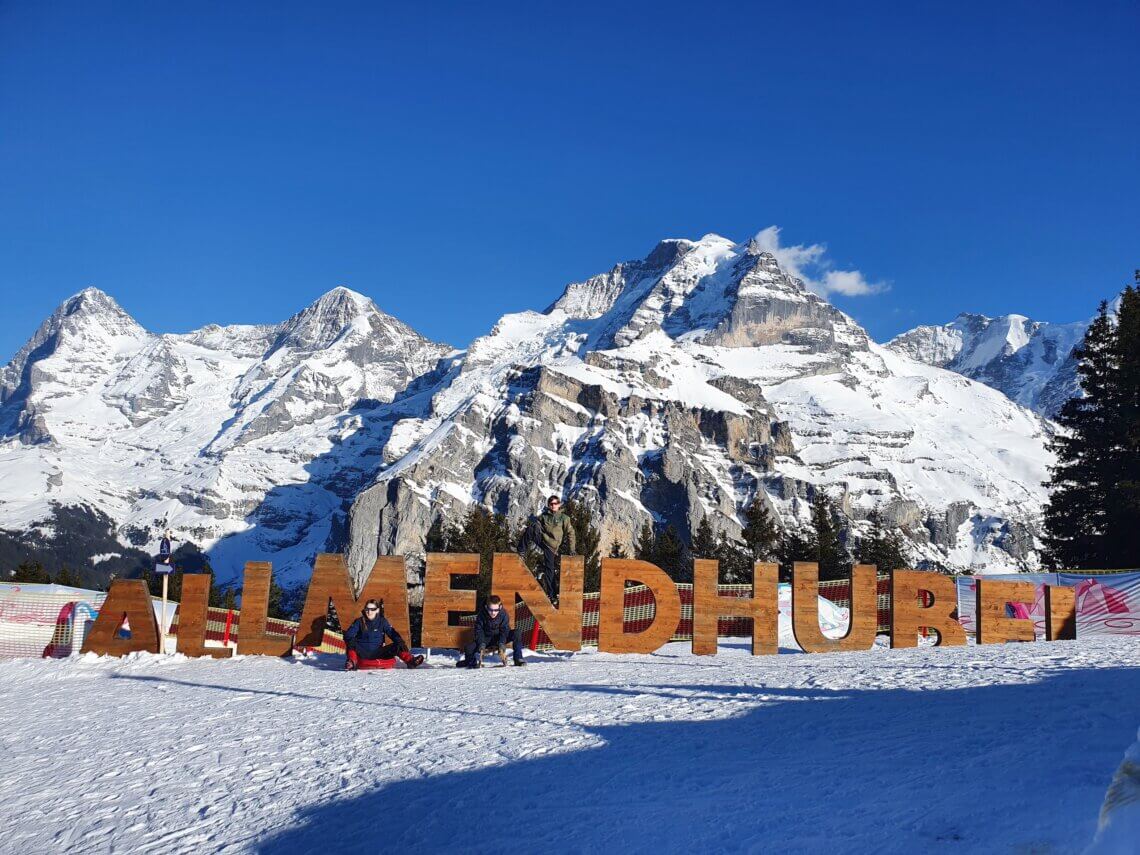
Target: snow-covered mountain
1030,361
687,383
221,433
674,387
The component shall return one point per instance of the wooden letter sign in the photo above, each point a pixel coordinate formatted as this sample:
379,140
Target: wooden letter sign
386,582
252,639
440,598
908,616
805,610
563,625
709,606
127,598
612,637
192,618
993,625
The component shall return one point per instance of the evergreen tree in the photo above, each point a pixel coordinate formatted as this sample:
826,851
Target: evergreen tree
704,541
885,549
761,533
483,533
669,555
587,540
1091,520
32,573
830,553
66,577
646,543
735,561
795,545
436,540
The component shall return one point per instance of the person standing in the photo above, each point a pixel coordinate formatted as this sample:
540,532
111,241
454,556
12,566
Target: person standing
547,531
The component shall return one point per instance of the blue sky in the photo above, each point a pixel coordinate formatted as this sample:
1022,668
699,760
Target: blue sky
229,162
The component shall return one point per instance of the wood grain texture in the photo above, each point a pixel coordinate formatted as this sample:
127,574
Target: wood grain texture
612,637
252,639
192,618
909,616
1060,613
127,598
562,624
993,625
805,610
709,607
440,598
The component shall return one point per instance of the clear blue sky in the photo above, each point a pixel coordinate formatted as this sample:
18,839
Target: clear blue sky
230,162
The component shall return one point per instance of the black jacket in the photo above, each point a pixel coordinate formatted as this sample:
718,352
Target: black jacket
366,637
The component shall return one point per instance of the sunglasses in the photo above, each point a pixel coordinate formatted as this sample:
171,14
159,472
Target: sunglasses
493,609
371,609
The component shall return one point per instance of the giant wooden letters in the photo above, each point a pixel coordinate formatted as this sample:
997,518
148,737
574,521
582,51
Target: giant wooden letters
861,629
709,607
440,599
993,625
386,582
612,637
562,624
1060,613
252,639
129,598
192,618
908,616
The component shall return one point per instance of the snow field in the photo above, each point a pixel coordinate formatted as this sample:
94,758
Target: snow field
1007,748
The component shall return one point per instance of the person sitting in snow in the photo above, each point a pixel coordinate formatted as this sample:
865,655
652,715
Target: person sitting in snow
492,629
364,642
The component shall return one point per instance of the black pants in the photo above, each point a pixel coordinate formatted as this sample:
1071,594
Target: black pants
511,635
551,574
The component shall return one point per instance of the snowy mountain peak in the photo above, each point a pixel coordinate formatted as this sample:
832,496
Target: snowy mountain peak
334,314
1030,361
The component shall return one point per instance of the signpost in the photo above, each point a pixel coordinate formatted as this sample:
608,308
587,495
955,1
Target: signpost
163,569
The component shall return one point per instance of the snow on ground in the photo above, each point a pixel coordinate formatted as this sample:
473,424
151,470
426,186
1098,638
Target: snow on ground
979,749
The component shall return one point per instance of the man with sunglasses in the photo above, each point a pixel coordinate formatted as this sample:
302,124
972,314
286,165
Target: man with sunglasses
364,642
547,531
492,629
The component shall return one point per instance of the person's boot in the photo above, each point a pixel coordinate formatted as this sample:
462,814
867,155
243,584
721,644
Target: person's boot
415,661
462,663
503,655
520,662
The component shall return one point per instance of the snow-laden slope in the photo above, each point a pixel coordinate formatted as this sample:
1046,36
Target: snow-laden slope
957,750
213,433
684,385
1030,361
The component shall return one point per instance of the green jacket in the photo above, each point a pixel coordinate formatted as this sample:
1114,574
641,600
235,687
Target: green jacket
554,527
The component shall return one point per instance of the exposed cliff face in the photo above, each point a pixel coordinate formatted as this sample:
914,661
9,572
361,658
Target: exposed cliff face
685,384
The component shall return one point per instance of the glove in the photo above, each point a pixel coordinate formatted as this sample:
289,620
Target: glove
349,665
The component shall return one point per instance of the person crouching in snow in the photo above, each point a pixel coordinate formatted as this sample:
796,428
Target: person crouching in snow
492,629
364,642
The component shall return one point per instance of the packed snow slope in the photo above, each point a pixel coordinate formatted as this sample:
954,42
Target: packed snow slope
214,433
1030,361
963,750
690,383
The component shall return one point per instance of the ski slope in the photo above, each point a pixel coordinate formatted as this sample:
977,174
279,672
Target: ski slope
995,749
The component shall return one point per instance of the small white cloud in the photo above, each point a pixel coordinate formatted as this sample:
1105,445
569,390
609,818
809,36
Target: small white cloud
811,264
